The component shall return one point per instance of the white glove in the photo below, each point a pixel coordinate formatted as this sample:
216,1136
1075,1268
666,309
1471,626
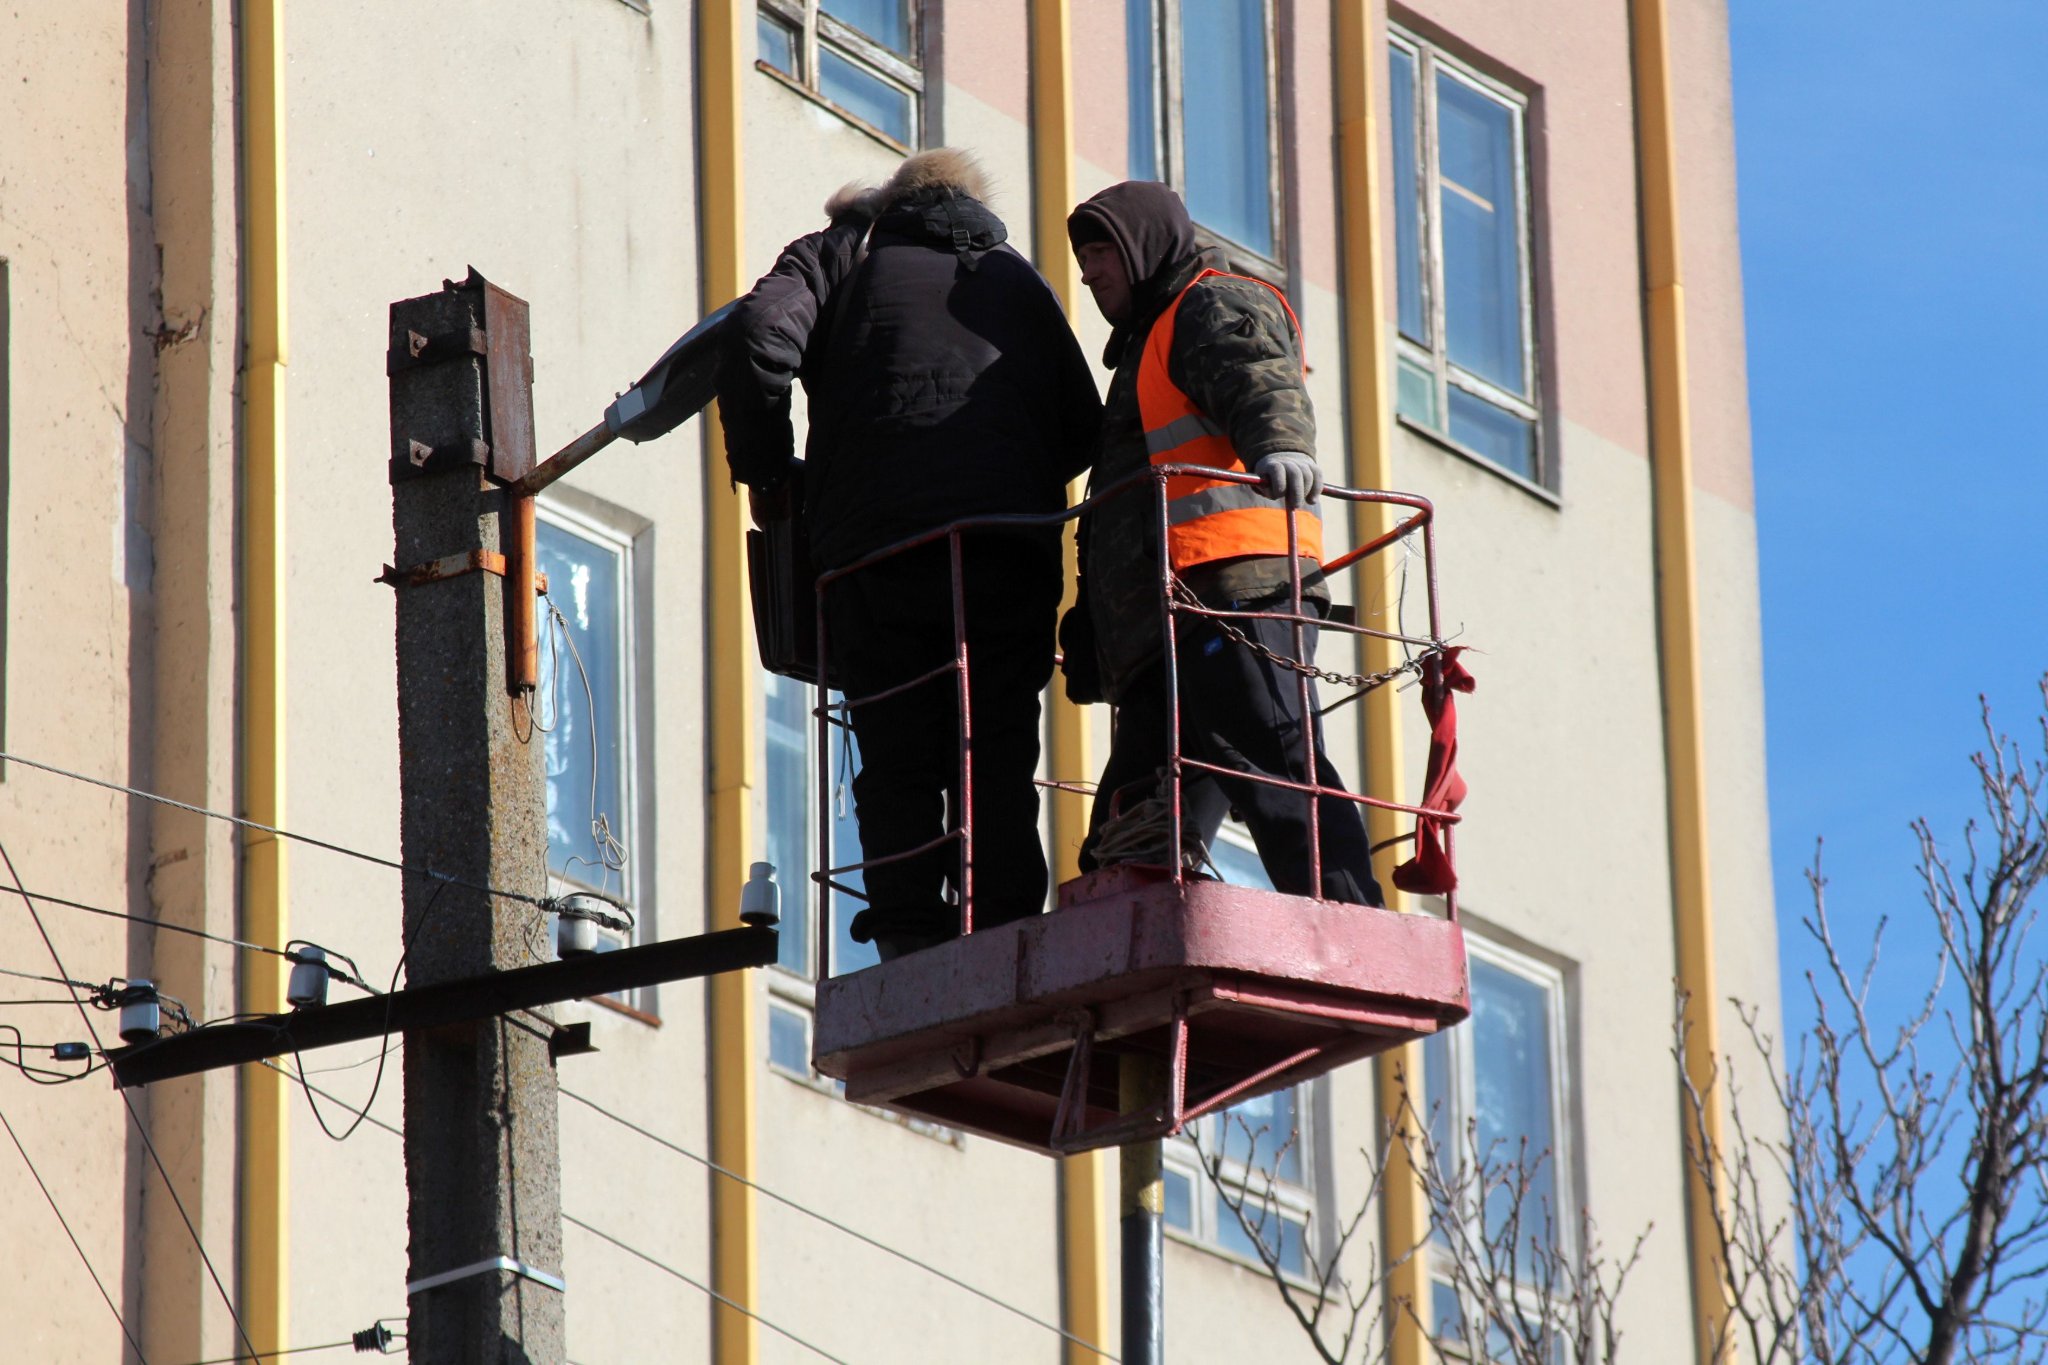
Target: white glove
1290,475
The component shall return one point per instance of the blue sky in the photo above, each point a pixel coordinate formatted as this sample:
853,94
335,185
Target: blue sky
1893,165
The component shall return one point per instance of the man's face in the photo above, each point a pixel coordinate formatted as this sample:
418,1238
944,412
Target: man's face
1102,270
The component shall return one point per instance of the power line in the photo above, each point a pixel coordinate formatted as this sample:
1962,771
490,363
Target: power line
65,1223
705,1288
782,1199
262,828
835,1224
245,945
170,1187
275,1355
595,1232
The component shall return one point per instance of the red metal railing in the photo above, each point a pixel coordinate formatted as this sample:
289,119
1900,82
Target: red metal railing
830,714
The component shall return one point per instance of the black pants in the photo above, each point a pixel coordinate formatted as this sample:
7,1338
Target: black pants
893,621
1240,711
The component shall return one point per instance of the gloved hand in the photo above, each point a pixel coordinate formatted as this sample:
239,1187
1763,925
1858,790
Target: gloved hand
1290,475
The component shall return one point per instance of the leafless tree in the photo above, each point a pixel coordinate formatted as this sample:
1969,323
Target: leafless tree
1530,1296
1900,1215
1913,1170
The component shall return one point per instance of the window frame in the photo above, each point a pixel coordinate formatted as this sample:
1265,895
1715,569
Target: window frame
816,32
1169,154
1460,1103
573,514
1432,355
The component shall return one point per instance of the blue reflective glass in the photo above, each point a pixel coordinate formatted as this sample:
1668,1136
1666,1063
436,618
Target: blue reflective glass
1238,865
583,754
789,1045
1282,1236
864,95
1487,429
1511,1050
1407,198
1265,1134
847,956
1180,1202
775,45
1141,37
787,731
1225,104
1447,1317
1480,216
886,21
1415,394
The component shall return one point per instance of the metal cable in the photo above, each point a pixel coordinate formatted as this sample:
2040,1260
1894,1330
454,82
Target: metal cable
262,828
223,939
65,1223
818,1351
274,1355
836,1225
786,1202
128,1103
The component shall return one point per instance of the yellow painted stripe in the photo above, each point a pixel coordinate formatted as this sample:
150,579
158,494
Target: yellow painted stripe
1084,1179
735,1045
264,1277
1678,637
1369,409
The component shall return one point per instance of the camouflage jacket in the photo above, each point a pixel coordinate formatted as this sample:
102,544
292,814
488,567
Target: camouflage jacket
1235,353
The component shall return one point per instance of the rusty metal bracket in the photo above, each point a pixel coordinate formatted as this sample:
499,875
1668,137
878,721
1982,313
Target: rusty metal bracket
431,459
453,566
420,349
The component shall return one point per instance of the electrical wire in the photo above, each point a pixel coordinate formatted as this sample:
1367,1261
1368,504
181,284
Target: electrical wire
273,1355
789,1203
42,1075
384,1048
262,828
596,1232
65,1223
706,1289
128,1103
836,1225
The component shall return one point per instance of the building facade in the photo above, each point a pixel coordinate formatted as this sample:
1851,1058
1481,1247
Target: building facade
206,209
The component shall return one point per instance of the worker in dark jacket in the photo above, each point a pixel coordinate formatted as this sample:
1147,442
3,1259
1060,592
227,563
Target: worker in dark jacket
1208,372
943,383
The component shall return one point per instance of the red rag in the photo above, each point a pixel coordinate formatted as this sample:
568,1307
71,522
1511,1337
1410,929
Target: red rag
1429,872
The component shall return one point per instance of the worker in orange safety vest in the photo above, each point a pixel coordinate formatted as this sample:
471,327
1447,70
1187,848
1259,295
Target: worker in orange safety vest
1208,372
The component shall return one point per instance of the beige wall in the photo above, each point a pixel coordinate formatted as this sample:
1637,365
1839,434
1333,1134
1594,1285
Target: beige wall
552,146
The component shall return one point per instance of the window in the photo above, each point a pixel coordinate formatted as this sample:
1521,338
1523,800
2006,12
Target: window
1257,1142
1496,1088
586,707
1203,115
1461,248
790,732
859,56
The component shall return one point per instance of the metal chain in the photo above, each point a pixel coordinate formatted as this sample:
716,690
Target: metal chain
1364,682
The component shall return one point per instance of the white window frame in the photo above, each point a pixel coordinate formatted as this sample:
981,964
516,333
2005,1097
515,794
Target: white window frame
1459,1102
1170,136
1433,355
635,878
816,31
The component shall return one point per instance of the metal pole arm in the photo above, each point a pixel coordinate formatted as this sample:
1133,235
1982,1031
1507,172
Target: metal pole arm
443,1003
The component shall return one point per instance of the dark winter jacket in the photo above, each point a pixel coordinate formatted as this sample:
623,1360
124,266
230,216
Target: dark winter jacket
1236,354
942,377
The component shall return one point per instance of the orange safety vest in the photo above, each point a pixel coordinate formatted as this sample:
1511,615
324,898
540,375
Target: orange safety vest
1208,519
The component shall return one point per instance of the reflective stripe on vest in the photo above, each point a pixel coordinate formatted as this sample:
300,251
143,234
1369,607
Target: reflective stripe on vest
1208,519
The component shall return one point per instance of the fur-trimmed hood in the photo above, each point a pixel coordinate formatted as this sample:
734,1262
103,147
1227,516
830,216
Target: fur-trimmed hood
942,172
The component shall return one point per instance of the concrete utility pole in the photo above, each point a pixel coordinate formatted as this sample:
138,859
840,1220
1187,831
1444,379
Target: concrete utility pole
481,1140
